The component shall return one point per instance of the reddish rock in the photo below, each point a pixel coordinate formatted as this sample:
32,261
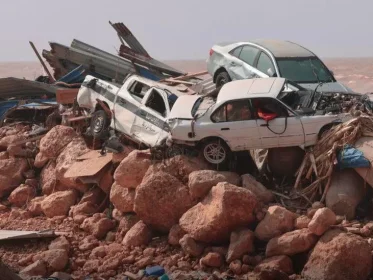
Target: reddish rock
95,196
21,195
6,141
17,213
138,235
236,267
321,221
113,248
179,166
144,262
122,198
98,225
83,209
156,203
291,243
67,157
302,222
52,144
278,220
60,243
212,260
132,169
34,207
125,224
58,203
201,181
11,171
40,160
339,256
282,263
38,268
262,193
48,181
109,264
241,243
175,234
91,266
107,181
56,259
4,155
224,209
149,252
190,246
88,243
32,183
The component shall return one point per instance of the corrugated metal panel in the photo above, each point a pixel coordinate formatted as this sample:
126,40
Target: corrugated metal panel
14,87
130,39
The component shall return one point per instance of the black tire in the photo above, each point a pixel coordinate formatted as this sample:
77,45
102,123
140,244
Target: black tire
216,152
100,122
222,78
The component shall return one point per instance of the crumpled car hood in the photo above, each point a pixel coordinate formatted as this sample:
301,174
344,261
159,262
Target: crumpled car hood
183,106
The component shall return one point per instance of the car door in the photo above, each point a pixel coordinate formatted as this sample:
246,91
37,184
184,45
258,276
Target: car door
248,56
150,125
126,104
265,65
235,64
285,130
235,123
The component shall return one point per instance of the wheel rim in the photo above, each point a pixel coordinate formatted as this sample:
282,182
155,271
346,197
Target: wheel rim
214,153
98,124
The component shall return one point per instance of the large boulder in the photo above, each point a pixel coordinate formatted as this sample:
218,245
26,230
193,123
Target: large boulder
6,141
11,171
175,234
339,256
38,268
277,221
190,246
138,235
21,195
34,207
126,222
48,180
67,157
346,191
321,221
241,243
179,166
201,181
58,203
123,199
52,144
132,169
56,259
263,194
291,243
40,160
225,208
161,200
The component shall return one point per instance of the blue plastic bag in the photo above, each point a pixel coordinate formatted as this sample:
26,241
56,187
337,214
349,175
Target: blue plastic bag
351,157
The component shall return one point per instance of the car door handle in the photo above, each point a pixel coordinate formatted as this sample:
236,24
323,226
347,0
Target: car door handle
225,128
264,124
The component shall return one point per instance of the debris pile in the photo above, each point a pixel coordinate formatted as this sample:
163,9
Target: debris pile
98,212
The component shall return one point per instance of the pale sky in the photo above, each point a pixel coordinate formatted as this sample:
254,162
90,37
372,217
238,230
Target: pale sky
187,29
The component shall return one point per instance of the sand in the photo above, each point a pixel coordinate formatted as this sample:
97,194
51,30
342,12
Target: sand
356,73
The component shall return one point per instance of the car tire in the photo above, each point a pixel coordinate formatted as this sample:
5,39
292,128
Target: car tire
222,78
100,122
216,152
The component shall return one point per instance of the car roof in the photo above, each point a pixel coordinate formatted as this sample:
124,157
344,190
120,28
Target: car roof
282,49
257,87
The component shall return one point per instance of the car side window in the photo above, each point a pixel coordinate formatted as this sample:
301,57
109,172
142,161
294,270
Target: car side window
138,89
269,106
236,52
248,54
265,65
233,111
156,103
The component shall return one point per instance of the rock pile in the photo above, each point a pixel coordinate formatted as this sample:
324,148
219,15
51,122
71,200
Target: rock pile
177,213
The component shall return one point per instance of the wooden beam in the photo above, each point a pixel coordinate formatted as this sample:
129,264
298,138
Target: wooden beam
42,62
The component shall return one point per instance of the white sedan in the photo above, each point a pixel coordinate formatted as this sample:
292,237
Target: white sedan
248,114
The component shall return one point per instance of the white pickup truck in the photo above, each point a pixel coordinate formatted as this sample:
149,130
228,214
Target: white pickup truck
138,109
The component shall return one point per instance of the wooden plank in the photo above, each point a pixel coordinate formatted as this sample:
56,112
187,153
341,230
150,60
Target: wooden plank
66,96
191,75
88,167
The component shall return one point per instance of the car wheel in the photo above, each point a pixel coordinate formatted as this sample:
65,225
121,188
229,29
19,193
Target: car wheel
222,78
99,123
216,152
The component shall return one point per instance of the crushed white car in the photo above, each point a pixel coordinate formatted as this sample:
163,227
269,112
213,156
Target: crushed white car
249,114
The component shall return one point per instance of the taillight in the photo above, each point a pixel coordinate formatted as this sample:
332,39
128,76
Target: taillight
211,52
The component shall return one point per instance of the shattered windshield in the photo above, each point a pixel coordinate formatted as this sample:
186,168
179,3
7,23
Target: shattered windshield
304,70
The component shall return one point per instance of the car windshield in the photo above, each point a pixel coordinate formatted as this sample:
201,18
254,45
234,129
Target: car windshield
295,99
304,70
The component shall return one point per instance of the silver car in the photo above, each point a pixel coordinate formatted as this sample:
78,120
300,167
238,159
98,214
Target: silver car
271,58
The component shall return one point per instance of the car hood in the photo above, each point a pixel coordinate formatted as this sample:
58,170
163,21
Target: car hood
183,106
328,87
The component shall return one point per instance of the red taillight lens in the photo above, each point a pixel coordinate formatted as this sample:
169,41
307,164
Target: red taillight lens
211,52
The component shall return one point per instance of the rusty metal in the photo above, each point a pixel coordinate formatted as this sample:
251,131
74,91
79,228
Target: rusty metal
42,62
66,96
105,107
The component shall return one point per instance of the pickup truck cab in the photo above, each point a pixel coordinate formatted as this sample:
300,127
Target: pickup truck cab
139,108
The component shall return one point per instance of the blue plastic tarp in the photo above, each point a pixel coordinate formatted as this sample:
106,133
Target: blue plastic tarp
351,157
6,105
